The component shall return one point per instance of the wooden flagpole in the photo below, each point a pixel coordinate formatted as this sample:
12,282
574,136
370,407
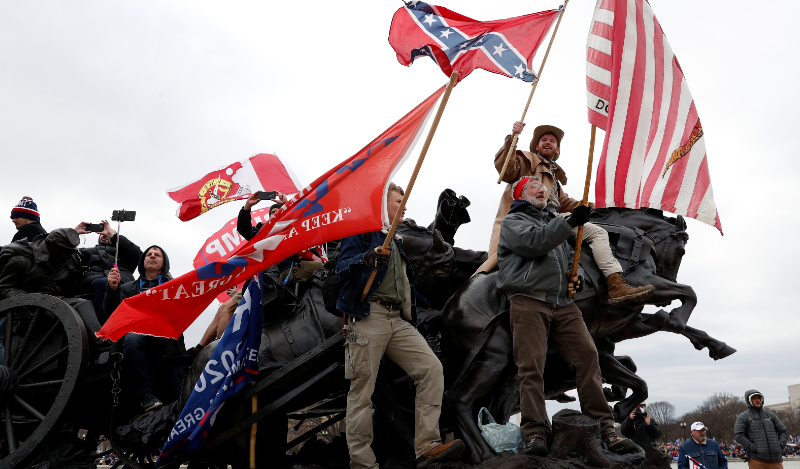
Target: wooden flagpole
533,90
585,201
422,154
253,430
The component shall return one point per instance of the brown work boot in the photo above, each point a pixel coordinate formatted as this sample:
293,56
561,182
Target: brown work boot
619,292
444,452
619,445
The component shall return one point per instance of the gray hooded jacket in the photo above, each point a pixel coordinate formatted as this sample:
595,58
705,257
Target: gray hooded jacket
760,431
533,254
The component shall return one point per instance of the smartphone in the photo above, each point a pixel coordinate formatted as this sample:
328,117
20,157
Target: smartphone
123,215
267,195
94,227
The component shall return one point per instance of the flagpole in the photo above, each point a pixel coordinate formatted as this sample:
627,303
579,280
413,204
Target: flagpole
533,90
402,206
253,430
585,201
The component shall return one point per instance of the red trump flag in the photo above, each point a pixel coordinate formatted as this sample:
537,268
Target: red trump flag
348,199
236,181
458,43
654,154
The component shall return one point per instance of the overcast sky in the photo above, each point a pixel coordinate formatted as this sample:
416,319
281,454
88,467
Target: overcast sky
105,105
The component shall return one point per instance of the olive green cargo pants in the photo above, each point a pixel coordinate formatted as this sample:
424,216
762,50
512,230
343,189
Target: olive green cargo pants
385,332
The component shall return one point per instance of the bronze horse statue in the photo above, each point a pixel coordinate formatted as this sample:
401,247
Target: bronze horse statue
476,335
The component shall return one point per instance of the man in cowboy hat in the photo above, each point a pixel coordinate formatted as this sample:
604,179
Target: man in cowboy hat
541,162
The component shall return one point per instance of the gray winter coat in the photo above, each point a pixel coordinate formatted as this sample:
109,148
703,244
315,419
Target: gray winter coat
760,431
533,254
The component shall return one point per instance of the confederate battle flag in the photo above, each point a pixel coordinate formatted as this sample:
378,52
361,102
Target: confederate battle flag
349,199
654,153
236,181
458,43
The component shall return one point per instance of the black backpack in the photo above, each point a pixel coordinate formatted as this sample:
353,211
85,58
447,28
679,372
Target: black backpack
333,283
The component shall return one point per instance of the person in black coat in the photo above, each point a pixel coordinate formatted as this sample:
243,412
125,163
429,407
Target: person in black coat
151,366
640,427
99,260
25,216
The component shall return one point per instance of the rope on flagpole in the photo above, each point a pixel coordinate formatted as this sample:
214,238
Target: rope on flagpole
380,250
533,90
574,272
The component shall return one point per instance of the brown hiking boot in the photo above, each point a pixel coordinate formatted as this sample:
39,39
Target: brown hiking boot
444,452
619,292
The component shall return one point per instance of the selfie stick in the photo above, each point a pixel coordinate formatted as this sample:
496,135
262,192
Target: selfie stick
120,217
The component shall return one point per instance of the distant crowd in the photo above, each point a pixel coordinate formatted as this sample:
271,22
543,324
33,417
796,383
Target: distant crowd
734,450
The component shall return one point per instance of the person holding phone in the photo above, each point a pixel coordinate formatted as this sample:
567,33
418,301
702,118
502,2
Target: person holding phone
99,260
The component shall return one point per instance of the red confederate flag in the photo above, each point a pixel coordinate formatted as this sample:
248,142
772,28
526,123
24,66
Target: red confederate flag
458,43
234,182
654,153
347,200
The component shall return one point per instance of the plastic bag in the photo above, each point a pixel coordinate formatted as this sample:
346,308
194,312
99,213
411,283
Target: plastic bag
501,438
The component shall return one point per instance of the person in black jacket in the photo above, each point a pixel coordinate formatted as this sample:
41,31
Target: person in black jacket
243,223
642,429
151,366
761,432
25,216
99,260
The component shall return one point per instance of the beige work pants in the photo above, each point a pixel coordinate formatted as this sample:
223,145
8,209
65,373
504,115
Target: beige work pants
385,332
597,238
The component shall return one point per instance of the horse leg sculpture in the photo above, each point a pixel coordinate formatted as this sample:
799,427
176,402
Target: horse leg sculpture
617,373
485,375
667,291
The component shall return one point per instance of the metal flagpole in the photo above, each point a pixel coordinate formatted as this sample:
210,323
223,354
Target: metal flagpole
422,154
533,90
585,201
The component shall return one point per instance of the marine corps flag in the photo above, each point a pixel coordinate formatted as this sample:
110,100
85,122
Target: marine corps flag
654,153
236,181
461,44
349,199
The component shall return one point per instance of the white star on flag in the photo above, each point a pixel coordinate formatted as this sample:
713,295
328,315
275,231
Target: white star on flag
446,34
414,3
429,19
519,69
499,50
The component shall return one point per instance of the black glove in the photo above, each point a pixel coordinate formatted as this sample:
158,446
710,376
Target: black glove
375,260
579,216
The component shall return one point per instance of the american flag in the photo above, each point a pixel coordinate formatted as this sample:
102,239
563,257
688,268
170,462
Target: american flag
654,154
693,464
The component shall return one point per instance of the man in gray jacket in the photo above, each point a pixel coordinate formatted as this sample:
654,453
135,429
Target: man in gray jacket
761,432
534,259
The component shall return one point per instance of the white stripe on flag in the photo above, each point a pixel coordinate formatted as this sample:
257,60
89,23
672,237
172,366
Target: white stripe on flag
666,98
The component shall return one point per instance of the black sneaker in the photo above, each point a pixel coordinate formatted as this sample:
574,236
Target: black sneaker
149,402
536,446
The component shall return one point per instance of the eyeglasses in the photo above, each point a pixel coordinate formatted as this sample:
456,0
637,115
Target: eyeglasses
536,187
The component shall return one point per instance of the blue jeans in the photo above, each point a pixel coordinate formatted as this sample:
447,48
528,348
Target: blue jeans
145,369
99,286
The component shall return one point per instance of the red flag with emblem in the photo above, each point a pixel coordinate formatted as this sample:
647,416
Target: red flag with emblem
349,199
236,181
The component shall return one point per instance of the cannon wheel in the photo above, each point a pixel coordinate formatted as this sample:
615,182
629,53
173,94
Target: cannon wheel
45,349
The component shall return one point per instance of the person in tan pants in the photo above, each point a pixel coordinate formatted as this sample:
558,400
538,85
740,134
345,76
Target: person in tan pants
383,324
541,162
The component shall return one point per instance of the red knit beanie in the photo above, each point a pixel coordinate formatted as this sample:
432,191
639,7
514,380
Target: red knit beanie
519,186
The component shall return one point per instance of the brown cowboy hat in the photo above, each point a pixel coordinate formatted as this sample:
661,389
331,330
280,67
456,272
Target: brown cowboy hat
546,129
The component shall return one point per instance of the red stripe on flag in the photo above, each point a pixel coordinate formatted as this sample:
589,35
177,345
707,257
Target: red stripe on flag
678,169
598,120
607,5
658,86
272,174
718,224
603,30
598,89
634,109
598,58
700,187
669,129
